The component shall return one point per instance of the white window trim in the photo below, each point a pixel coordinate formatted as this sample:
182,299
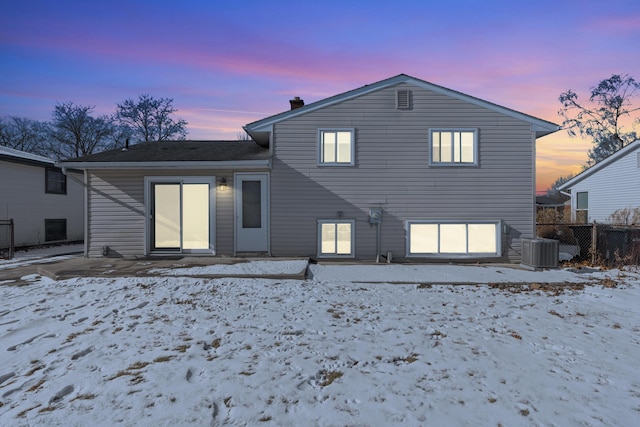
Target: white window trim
456,164
578,193
353,146
498,253
579,211
336,221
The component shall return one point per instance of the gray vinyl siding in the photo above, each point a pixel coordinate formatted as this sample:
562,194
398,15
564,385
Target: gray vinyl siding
117,213
23,199
115,201
392,171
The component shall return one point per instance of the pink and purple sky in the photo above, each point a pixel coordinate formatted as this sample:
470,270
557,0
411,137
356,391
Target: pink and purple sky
228,63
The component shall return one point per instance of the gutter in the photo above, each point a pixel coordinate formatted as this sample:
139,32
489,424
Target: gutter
231,165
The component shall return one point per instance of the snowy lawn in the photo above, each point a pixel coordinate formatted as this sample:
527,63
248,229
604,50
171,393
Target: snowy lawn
330,351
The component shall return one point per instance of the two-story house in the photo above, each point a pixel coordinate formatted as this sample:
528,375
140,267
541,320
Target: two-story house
401,168
45,202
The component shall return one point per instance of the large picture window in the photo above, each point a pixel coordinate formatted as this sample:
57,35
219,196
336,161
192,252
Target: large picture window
336,147
454,147
454,238
335,238
55,181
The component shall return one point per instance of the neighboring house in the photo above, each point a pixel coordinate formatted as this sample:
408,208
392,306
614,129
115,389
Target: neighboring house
400,167
608,186
45,202
557,203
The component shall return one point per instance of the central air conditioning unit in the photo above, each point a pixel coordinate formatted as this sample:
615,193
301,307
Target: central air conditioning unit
540,253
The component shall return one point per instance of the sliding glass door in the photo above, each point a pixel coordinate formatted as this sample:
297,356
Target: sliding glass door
181,215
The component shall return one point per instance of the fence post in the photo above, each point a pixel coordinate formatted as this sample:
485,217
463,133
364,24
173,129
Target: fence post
12,242
594,243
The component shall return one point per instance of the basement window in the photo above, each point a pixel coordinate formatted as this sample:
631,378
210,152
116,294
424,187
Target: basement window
335,238
426,238
55,229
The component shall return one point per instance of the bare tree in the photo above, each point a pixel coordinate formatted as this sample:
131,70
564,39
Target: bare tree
553,190
243,136
24,134
612,102
77,133
150,119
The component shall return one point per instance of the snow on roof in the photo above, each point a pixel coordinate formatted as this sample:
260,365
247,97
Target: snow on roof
23,155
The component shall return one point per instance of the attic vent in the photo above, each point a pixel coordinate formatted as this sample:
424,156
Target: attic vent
403,99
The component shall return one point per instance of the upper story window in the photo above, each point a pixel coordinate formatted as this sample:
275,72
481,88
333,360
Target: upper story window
454,147
336,147
55,181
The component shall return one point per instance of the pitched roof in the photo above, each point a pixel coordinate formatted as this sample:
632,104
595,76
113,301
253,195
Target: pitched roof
630,148
259,130
551,201
173,153
13,155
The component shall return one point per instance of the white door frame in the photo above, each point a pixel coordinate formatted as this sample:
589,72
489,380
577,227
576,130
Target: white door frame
265,244
148,183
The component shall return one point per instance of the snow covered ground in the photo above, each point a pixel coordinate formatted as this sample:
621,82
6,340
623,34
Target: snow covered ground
41,255
334,350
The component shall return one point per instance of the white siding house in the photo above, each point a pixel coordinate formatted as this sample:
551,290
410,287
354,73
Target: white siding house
609,186
46,205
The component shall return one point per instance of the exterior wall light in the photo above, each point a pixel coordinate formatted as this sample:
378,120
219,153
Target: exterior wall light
223,184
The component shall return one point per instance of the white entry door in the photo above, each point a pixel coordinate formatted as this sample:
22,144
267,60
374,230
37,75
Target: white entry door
251,211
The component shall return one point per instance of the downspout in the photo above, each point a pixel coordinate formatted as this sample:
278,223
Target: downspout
85,214
378,243
533,181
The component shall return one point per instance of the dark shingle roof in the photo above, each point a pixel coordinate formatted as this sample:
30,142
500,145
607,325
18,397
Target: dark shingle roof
180,151
551,201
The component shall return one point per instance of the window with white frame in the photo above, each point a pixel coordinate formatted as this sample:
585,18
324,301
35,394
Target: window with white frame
336,238
582,207
336,147
454,238
454,147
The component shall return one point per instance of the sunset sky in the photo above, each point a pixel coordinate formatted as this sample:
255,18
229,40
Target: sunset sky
228,63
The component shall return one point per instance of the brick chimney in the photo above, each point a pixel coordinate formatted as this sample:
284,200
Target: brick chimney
296,103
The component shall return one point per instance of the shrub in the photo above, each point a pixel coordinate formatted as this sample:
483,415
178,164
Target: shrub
626,216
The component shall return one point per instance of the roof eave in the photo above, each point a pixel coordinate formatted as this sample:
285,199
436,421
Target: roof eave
593,169
545,130
541,127
233,164
266,124
261,136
